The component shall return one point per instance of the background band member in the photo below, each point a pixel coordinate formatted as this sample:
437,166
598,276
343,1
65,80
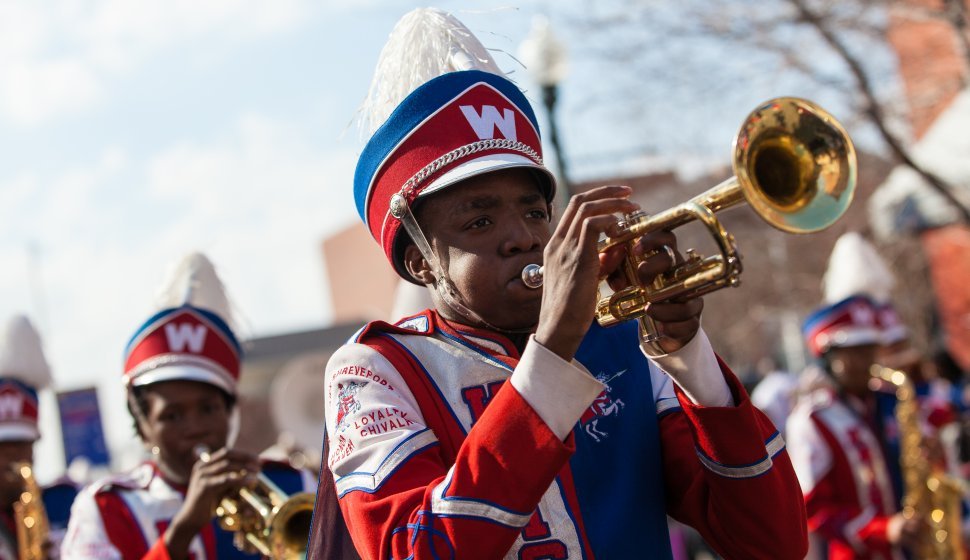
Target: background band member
23,371
182,371
841,443
856,268
504,422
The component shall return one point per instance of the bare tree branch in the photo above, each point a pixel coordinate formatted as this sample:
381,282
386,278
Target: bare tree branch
874,109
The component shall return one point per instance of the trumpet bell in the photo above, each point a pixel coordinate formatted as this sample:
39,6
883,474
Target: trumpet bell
290,527
795,165
265,519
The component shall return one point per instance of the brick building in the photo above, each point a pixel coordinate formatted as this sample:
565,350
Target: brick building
933,62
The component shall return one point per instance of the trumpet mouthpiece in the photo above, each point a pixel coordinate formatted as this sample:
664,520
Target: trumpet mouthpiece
202,453
532,276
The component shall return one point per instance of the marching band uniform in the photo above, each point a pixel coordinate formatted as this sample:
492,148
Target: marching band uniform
23,371
190,338
433,450
846,465
846,448
446,441
125,516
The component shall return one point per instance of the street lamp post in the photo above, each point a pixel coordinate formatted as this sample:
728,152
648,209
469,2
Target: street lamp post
545,59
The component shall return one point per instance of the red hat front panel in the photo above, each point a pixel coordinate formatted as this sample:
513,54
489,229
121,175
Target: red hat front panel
184,343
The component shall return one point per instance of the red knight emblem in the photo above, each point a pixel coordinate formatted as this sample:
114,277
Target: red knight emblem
602,406
347,402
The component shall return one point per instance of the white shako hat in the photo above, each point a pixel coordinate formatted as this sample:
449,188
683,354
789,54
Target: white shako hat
856,269
191,335
23,371
439,111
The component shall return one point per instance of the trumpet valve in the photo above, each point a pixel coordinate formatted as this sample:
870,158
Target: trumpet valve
629,220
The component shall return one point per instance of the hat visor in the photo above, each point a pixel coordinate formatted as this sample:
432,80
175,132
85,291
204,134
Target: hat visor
895,334
487,164
185,372
847,338
19,431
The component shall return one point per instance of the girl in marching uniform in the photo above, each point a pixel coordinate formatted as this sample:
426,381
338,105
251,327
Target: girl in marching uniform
182,370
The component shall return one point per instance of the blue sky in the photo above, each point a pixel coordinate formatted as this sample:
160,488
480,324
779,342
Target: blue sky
133,132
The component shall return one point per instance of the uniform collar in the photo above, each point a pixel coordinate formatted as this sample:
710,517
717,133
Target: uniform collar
495,344
157,473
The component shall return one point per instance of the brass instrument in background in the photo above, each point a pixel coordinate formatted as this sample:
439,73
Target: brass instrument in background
793,163
265,519
30,517
928,495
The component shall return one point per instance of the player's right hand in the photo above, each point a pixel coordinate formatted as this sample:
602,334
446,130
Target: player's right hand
572,267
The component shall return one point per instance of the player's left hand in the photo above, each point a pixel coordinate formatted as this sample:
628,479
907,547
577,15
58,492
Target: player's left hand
677,320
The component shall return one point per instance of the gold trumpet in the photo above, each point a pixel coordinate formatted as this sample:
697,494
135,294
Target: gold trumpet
793,163
30,517
265,519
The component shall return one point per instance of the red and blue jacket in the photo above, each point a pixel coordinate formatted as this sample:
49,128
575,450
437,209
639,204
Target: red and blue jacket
125,517
446,442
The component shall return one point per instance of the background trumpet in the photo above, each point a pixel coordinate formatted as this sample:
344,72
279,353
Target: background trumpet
793,164
265,519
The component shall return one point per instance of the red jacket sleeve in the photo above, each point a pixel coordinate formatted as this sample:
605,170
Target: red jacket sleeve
729,476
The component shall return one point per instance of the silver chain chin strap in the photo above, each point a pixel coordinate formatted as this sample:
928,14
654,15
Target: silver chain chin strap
407,191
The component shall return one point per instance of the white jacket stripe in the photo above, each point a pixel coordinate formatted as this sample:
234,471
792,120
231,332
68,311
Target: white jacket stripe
370,482
667,404
773,446
453,506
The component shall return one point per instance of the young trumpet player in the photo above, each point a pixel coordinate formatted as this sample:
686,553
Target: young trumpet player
24,371
181,371
504,422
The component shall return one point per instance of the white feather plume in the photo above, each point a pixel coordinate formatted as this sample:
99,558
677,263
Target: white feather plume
425,44
855,268
22,355
194,280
